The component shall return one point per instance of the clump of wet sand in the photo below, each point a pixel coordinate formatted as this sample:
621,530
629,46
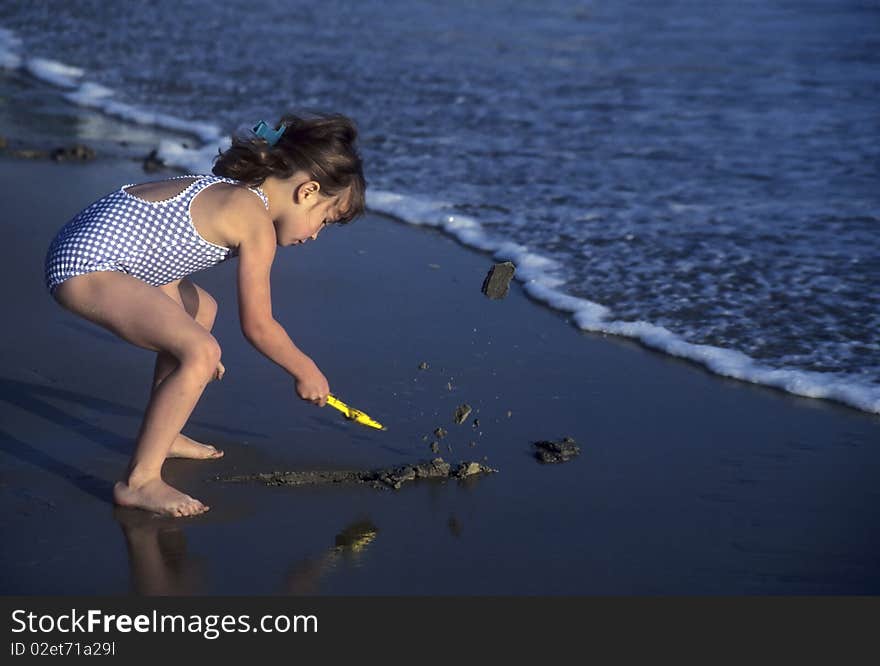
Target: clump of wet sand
392,477
556,452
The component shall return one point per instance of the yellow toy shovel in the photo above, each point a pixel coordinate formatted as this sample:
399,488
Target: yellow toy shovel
353,414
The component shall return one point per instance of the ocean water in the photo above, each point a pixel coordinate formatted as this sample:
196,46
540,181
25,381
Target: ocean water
702,177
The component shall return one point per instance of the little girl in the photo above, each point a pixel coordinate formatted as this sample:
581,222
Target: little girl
122,263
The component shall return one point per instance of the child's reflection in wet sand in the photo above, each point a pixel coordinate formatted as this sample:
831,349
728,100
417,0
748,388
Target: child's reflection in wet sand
157,554
160,565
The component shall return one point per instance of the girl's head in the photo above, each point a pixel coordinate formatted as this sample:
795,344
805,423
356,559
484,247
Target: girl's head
319,147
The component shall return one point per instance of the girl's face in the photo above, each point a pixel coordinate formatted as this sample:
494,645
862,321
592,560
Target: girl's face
304,211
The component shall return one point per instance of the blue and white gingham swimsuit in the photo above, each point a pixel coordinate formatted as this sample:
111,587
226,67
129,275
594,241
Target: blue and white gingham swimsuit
154,241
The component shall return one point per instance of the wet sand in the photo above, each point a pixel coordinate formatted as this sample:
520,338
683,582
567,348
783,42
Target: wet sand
686,483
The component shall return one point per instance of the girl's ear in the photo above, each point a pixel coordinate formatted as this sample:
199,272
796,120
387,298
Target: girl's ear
306,190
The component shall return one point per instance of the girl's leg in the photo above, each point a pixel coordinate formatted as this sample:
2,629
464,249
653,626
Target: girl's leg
202,307
148,318
199,305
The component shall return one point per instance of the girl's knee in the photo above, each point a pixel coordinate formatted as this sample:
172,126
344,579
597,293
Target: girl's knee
212,352
202,355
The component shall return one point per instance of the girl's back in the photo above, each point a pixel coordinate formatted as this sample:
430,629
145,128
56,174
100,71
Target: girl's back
145,230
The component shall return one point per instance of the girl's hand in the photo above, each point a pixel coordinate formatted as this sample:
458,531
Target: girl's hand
311,385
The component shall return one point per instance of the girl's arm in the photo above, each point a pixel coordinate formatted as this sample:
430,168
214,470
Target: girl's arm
256,252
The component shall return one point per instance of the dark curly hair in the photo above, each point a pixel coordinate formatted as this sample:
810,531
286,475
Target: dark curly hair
320,144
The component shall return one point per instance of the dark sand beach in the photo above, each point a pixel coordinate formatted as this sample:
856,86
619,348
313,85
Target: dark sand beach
686,483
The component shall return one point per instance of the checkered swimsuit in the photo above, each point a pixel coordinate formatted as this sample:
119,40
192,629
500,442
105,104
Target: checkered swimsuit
154,241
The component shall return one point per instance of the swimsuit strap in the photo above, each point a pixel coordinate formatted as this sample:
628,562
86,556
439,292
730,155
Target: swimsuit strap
259,192
256,190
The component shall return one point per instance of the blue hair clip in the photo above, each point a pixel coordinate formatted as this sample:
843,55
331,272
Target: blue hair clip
271,136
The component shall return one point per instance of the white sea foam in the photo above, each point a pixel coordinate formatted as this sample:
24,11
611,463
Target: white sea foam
93,95
194,160
98,97
540,278
10,45
51,71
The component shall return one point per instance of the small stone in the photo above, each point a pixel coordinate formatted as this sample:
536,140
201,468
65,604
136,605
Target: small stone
423,366
509,413
462,412
440,432
435,447
448,386
476,424
497,282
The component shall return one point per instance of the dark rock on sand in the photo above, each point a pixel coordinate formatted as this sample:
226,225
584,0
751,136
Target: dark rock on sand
461,413
497,282
435,447
153,163
77,152
423,366
556,452
393,477
440,432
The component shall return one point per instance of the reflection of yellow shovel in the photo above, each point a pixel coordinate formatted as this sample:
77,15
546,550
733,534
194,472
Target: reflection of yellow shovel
353,414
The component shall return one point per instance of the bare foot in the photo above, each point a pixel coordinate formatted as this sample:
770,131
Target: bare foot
157,496
184,447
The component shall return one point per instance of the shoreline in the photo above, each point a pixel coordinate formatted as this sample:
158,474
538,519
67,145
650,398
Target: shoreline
684,485
585,315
